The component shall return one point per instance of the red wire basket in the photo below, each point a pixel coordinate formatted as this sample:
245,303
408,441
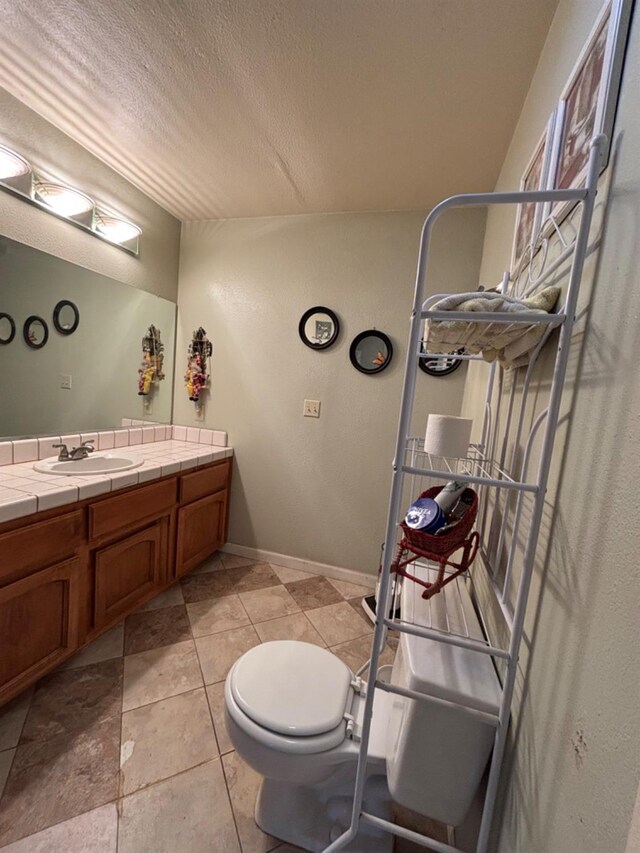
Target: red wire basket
439,549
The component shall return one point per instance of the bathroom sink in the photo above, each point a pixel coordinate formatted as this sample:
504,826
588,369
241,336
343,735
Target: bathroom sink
96,463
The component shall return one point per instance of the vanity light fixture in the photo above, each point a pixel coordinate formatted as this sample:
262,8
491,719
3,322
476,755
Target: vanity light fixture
63,200
18,177
15,171
116,230
12,165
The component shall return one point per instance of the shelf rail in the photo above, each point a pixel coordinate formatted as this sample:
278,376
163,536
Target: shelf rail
564,321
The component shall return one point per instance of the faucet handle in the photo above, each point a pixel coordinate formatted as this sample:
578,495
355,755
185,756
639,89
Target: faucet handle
64,451
89,444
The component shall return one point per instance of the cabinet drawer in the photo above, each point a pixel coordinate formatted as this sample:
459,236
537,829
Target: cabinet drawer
38,545
201,530
200,483
124,511
38,624
125,573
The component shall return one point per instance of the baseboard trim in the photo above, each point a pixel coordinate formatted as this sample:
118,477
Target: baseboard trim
335,572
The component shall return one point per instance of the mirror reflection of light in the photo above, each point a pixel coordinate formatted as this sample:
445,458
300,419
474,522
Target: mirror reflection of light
116,230
12,165
63,200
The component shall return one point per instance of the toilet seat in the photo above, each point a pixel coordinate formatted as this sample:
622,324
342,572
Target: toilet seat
291,696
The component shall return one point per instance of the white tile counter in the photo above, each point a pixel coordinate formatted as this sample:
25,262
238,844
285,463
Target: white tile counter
24,490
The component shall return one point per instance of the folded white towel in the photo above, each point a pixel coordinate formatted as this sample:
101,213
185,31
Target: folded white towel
509,343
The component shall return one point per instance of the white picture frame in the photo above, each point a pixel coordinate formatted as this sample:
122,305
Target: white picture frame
590,97
537,175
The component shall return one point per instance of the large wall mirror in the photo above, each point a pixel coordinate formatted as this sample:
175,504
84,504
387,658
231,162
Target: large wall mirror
101,355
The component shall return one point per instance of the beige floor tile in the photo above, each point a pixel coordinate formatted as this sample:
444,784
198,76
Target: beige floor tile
356,604
160,673
216,615
215,695
417,823
295,627
154,628
6,759
189,812
213,564
243,784
357,652
108,646
313,592
351,590
337,623
218,652
56,780
71,700
12,718
291,575
92,832
228,582
232,561
169,598
165,738
270,603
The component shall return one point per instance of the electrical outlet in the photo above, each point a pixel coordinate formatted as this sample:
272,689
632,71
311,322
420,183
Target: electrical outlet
65,381
311,409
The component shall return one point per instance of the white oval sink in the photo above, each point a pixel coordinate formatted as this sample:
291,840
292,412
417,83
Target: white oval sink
105,462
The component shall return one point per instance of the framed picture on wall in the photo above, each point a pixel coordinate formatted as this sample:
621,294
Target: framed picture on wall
536,176
590,97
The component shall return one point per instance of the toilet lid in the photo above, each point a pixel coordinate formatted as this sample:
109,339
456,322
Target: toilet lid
292,688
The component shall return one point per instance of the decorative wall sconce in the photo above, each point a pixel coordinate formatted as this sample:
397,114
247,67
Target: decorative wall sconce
196,376
66,317
35,332
18,177
7,328
150,371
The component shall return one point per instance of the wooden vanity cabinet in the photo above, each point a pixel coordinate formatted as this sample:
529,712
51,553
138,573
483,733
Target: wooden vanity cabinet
202,516
39,617
201,531
128,571
67,575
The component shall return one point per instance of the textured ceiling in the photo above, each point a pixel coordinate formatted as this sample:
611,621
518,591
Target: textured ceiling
226,108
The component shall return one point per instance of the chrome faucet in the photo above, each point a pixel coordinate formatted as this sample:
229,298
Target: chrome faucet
63,456
83,451
76,452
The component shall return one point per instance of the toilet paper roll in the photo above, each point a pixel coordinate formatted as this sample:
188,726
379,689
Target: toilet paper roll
447,435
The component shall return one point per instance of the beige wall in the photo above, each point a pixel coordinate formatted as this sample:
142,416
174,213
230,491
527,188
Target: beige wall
315,489
156,268
572,765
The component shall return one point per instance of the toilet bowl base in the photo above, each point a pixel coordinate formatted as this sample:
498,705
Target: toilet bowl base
312,817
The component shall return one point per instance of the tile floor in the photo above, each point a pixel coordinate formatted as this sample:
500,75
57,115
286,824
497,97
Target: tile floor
124,747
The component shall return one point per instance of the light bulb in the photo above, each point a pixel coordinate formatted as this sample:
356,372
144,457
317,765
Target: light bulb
116,230
12,165
63,200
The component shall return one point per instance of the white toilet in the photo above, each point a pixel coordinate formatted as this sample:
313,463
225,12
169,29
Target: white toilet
293,712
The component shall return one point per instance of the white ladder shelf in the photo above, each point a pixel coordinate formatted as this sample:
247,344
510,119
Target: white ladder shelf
485,467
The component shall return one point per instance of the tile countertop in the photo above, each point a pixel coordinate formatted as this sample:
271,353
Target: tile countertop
24,490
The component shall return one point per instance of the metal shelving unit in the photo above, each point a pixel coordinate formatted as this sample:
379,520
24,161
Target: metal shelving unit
502,477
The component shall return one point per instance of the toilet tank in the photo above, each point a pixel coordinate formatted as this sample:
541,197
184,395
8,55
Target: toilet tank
435,755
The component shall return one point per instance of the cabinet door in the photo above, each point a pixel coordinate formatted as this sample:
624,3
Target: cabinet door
128,571
201,527
38,624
